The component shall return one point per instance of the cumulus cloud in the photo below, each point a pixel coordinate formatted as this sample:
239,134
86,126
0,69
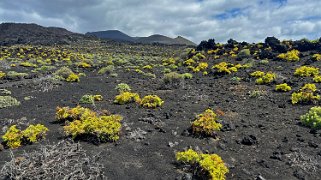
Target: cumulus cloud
198,20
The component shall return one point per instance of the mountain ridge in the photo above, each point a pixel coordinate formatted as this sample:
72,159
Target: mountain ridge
30,33
155,38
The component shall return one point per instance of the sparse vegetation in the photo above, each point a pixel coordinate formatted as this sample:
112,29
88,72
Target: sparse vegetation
151,101
209,166
206,124
283,87
14,137
306,71
306,94
87,124
312,119
292,55
8,101
127,97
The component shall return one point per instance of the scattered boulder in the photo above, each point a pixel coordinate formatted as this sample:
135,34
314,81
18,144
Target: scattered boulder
249,140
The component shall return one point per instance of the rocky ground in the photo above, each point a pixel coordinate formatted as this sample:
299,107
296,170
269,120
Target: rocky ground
261,138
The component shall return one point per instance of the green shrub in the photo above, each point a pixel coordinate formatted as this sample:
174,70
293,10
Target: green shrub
63,72
206,124
305,95
5,92
187,76
16,75
123,87
283,87
151,101
172,77
8,101
243,54
306,71
210,165
106,70
90,99
312,119
257,93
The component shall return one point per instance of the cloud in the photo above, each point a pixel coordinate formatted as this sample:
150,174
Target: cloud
198,20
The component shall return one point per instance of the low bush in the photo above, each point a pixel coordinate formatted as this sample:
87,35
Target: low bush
172,78
263,78
127,97
206,166
243,54
123,87
305,95
14,137
292,55
151,101
226,68
85,123
316,57
5,92
2,75
206,124
8,101
312,119
306,71
28,64
106,70
317,79
283,87
66,74
90,99
16,75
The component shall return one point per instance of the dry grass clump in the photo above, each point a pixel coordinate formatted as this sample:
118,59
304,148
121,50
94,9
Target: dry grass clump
64,160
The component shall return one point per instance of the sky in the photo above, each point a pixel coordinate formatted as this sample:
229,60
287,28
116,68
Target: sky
242,20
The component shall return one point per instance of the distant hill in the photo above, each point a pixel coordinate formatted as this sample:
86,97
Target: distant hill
183,40
111,34
156,38
22,33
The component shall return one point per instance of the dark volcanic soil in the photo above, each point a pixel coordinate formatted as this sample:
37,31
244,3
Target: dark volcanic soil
261,137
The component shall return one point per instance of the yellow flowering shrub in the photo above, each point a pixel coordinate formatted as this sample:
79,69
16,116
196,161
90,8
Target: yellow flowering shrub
73,78
316,57
305,94
2,75
127,97
85,122
210,165
258,74
33,132
224,67
206,124
151,101
306,71
317,79
292,55
14,137
283,87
